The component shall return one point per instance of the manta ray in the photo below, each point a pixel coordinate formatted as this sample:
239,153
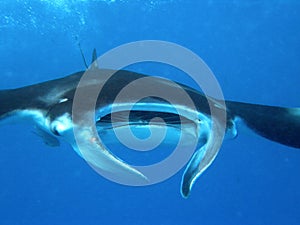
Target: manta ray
49,107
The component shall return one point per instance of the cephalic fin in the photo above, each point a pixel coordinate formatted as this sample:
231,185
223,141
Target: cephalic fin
192,171
90,148
202,158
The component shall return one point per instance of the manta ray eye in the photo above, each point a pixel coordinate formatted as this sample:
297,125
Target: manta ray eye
61,124
55,128
58,128
55,131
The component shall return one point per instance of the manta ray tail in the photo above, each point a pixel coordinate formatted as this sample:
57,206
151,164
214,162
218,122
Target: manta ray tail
278,124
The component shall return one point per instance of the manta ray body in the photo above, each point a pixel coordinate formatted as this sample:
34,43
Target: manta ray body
49,106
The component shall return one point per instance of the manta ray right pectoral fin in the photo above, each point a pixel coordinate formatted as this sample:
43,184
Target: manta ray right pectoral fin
201,160
194,169
90,148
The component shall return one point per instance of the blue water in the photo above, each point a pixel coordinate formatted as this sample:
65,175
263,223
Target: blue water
253,48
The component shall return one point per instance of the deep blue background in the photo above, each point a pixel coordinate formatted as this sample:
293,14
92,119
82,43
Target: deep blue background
253,47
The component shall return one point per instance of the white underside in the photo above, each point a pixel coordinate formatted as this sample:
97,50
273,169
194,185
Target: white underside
97,154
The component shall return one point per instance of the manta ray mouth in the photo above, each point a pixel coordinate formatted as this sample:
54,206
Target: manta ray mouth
145,131
183,124
141,118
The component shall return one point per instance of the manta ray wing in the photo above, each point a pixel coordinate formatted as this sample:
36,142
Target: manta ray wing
49,106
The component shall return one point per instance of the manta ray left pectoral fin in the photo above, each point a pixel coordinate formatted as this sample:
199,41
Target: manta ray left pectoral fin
103,161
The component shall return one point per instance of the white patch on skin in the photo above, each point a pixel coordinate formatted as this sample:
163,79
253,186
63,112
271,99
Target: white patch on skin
294,111
36,116
219,106
232,131
25,116
52,96
242,128
63,100
62,123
